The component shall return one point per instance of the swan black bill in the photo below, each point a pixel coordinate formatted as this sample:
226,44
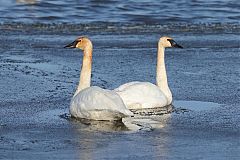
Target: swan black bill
174,44
71,45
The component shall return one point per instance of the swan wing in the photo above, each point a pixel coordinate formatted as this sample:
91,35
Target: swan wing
139,95
98,104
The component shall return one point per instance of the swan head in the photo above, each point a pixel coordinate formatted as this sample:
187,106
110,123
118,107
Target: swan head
168,42
82,43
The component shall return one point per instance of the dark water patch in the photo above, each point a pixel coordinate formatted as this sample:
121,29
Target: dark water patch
129,28
66,116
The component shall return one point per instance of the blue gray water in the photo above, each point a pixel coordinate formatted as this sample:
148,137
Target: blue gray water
38,77
141,11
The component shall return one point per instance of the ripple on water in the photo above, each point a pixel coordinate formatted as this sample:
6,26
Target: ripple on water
119,11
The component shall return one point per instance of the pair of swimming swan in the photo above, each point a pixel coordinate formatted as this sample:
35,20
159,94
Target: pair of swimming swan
92,102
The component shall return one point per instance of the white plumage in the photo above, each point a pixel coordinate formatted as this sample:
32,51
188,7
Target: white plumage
94,103
139,95
98,104
143,95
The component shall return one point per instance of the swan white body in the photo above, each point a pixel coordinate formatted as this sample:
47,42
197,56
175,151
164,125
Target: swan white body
98,104
142,95
139,95
94,102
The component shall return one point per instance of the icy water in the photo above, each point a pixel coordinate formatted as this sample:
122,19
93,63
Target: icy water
38,77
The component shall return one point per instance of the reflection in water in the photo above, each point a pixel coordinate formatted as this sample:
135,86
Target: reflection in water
152,122
30,9
102,139
130,124
27,1
93,135
106,126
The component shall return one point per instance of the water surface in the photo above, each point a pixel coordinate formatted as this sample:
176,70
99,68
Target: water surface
142,11
39,77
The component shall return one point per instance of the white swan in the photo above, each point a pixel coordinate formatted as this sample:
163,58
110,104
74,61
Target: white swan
94,102
140,95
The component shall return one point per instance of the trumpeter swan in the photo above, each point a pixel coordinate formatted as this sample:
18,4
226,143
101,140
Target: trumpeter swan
140,95
94,102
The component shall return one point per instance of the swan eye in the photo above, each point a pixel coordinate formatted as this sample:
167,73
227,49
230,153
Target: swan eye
79,40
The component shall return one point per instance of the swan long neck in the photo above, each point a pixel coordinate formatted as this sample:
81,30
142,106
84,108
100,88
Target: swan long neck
161,75
85,75
161,70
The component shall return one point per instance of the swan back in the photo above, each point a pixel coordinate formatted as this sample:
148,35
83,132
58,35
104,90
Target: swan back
137,95
98,104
